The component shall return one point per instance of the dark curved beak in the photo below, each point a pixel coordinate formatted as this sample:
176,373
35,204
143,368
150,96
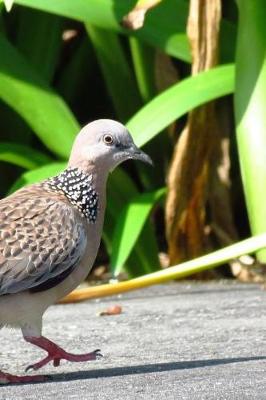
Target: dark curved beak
138,154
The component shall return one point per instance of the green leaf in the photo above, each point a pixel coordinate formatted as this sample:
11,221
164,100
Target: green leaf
116,71
144,257
165,26
22,156
27,93
143,57
77,70
38,34
129,226
103,13
178,100
37,175
250,106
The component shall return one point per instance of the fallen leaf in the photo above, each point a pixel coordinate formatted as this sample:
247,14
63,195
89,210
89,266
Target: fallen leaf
112,310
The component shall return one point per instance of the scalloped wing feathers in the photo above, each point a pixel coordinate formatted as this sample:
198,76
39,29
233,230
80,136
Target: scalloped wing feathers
41,237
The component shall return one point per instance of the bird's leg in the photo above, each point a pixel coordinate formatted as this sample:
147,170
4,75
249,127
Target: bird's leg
56,353
6,378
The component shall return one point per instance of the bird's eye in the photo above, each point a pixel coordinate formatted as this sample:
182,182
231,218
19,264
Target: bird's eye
108,139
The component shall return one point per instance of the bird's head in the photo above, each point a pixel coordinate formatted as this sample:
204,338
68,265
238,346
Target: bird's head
105,143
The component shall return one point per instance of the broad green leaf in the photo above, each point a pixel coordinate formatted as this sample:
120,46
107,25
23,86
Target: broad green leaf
117,74
178,100
22,155
129,225
165,26
27,93
103,13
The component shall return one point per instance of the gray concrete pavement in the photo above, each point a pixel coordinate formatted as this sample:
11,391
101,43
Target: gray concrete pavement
175,341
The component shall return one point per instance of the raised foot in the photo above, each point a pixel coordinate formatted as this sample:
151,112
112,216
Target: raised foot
56,353
6,378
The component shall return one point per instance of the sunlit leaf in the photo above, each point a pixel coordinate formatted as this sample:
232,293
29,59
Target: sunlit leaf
165,26
178,100
8,4
250,107
27,93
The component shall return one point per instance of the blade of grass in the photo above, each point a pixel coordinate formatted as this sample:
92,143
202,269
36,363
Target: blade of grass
178,100
40,34
37,175
22,155
129,225
143,61
76,71
144,256
250,106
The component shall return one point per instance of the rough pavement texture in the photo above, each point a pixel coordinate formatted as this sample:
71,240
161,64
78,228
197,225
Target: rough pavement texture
174,341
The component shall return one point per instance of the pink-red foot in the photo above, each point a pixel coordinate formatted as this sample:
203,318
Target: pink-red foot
56,353
6,378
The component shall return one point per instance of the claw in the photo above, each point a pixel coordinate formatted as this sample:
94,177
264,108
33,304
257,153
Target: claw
56,362
28,368
98,354
56,353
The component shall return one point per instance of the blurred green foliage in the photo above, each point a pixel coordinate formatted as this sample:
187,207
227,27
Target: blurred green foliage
64,63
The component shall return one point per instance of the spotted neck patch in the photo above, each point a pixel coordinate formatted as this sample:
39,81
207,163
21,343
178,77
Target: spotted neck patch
79,190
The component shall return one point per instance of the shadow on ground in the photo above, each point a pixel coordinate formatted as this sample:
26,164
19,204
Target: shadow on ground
145,369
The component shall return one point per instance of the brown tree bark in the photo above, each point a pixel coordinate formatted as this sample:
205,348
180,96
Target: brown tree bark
190,168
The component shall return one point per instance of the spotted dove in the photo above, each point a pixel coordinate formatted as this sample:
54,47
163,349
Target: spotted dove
50,234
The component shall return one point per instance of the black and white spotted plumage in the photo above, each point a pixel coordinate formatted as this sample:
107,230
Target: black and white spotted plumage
78,188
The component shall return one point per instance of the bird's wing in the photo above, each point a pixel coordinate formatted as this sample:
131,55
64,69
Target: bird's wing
40,238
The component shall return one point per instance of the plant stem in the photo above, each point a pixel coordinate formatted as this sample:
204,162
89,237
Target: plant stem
179,271
250,110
